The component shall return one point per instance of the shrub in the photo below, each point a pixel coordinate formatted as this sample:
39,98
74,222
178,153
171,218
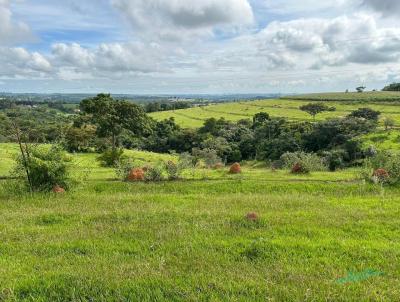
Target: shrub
208,156
111,157
155,172
301,162
46,167
235,169
186,160
173,170
384,167
366,113
389,123
334,159
124,168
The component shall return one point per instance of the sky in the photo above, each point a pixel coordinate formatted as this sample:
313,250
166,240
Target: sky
198,47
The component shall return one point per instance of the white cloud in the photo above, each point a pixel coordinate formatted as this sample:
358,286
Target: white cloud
386,7
108,60
19,63
177,19
190,45
332,42
12,31
293,7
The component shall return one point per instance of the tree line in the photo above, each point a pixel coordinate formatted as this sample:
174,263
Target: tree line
105,123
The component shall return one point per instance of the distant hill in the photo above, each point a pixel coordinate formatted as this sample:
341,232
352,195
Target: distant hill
385,96
77,97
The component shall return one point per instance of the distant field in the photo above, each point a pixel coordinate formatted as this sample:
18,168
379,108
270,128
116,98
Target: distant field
321,237
381,96
195,117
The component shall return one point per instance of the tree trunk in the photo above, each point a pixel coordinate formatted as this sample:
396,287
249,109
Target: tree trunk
24,154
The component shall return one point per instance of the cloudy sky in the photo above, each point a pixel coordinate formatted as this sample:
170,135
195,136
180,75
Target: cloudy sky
193,46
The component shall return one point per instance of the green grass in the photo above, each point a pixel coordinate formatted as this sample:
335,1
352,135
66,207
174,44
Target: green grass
379,96
289,108
195,117
188,240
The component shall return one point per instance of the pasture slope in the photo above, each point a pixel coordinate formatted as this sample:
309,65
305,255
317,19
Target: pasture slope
320,237
386,102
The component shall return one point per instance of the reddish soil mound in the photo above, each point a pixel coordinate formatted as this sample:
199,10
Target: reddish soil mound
297,169
381,174
252,216
235,169
57,189
136,174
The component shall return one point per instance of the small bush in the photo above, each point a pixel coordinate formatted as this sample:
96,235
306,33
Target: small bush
125,167
384,167
111,157
208,156
47,168
334,159
235,169
301,162
155,172
173,170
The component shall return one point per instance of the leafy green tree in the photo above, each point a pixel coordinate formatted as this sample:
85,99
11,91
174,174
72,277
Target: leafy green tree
111,117
392,87
361,89
260,118
314,108
389,123
273,149
332,133
79,139
366,113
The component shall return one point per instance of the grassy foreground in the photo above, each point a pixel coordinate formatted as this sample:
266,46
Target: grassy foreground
322,237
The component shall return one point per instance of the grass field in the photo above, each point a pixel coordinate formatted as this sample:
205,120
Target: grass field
380,96
195,117
320,237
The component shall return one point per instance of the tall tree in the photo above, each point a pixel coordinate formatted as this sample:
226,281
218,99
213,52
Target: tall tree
314,108
112,116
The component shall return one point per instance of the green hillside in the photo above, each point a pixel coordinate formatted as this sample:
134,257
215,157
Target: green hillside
195,117
372,96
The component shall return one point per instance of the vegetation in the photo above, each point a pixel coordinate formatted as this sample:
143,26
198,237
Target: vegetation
392,87
291,207
42,168
315,108
371,96
182,241
166,106
111,117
